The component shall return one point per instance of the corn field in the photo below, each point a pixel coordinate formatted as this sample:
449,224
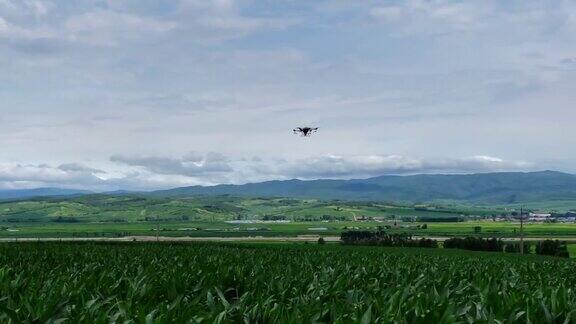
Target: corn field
226,283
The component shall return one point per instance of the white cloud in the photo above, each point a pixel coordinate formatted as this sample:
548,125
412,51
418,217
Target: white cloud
225,15
149,173
332,166
390,13
420,16
77,167
4,28
79,176
191,165
108,27
28,175
532,19
426,80
117,25
14,32
25,8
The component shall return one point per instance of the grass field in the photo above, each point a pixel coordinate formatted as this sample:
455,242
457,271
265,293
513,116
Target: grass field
334,228
572,250
110,208
201,282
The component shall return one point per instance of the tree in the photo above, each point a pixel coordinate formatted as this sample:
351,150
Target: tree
515,247
554,248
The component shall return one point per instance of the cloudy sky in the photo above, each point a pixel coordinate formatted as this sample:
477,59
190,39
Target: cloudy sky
145,94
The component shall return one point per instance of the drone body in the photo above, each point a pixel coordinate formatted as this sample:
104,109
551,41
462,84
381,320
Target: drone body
305,131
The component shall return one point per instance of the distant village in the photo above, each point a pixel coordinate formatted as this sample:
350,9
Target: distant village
530,217
569,217
540,217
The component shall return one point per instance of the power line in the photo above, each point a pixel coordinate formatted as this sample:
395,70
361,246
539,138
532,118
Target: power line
521,230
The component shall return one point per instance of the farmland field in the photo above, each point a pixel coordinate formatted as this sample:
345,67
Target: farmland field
106,215
134,208
333,228
207,282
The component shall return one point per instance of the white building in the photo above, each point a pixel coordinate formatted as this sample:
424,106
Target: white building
538,217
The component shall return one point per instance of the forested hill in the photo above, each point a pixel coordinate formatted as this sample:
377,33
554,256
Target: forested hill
502,187
489,188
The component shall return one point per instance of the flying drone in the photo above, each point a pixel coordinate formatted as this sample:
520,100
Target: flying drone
305,131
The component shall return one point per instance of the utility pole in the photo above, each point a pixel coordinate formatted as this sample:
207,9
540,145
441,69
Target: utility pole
521,230
157,228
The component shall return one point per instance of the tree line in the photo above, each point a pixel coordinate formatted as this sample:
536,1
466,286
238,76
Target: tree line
381,238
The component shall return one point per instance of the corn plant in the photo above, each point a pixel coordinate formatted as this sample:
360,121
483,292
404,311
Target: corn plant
227,283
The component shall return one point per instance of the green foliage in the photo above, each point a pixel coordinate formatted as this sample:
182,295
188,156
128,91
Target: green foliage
552,247
176,283
514,247
474,244
442,219
134,208
91,208
61,219
381,238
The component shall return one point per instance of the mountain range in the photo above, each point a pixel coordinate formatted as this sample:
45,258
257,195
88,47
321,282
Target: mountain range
493,188
6,194
501,188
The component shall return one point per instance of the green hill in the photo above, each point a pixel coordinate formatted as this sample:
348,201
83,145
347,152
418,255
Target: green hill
385,196
136,208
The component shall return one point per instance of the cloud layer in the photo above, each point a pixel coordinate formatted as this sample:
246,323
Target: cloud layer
114,94
375,165
190,165
148,173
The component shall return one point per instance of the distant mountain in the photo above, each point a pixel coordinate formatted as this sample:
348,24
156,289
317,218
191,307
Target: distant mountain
501,188
490,188
39,192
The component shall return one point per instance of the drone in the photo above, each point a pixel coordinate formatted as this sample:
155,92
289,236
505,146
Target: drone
305,131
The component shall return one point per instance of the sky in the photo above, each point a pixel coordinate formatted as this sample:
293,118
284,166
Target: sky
151,94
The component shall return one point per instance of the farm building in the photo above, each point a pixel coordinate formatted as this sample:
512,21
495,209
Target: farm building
539,217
